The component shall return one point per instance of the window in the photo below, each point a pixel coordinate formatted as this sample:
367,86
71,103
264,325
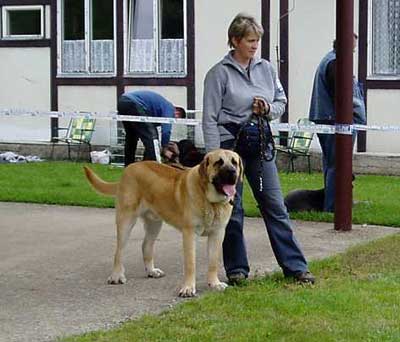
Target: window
22,22
156,43
385,34
87,43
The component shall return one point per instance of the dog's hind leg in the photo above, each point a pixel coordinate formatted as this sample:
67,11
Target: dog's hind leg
125,222
152,229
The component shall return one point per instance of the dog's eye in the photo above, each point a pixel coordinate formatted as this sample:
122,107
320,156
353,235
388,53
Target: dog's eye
219,162
234,161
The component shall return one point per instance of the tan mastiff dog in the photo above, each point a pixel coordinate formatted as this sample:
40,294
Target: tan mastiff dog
195,201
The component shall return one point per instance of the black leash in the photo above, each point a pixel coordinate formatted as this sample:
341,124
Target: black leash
265,141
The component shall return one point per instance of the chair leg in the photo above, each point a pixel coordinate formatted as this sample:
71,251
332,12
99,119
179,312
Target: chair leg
309,164
292,162
52,151
289,162
69,151
89,150
78,154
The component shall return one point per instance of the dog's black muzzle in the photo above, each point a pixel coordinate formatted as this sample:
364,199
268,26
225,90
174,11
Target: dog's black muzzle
226,176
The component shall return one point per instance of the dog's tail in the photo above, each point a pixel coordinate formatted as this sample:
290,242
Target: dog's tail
103,187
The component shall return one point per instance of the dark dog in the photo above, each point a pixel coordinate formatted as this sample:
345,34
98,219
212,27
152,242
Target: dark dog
184,152
306,200
189,155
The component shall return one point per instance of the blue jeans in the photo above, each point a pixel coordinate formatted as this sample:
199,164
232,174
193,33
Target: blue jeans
270,202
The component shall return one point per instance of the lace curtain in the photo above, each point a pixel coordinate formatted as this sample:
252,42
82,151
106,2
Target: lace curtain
101,56
386,37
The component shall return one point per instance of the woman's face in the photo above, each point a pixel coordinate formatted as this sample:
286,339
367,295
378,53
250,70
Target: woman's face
246,47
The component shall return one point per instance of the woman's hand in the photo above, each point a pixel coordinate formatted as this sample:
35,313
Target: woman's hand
260,106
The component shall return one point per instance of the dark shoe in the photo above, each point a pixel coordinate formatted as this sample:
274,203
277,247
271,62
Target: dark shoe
304,277
236,279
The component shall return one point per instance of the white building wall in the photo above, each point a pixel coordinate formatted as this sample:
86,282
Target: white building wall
25,83
26,72
383,109
89,99
311,32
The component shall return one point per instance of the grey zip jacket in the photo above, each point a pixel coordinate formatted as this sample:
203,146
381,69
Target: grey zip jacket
229,90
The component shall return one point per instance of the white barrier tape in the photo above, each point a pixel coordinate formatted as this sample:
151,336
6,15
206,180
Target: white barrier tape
388,128
332,129
285,127
344,129
101,115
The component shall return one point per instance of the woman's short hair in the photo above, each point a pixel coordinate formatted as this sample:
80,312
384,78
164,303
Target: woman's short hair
242,25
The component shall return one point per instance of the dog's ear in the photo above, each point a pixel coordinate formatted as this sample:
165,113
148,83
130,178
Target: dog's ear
203,167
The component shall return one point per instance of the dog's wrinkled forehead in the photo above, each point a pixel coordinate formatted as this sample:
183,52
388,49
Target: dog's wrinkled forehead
219,158
219,161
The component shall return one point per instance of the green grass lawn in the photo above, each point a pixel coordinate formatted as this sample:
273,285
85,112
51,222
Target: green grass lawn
356,298
64,183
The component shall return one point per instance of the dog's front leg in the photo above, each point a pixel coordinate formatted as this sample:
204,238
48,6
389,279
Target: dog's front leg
189,255
214,255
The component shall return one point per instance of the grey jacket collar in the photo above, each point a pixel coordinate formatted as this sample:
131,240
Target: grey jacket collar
229,60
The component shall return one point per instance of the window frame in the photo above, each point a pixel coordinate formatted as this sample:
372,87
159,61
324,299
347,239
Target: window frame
156,29
5,20
370,44
88,34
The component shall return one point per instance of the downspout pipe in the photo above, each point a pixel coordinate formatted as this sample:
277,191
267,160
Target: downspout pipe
344,114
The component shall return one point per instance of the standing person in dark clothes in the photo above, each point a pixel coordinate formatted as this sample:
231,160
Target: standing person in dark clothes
322,111
147,103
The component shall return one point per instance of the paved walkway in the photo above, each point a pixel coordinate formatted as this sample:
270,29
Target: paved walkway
54,262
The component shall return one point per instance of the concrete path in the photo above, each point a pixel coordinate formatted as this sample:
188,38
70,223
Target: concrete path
54,262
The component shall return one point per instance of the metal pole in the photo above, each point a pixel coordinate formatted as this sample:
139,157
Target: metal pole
344,113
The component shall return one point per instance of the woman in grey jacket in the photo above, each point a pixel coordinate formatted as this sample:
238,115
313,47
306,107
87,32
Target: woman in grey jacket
229,91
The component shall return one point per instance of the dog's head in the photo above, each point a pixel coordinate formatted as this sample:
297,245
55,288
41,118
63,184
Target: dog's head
221,169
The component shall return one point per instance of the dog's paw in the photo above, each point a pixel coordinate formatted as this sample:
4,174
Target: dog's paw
155,273
115,279
187,291
218,286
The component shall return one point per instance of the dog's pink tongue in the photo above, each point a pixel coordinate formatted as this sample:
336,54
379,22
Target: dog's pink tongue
229,190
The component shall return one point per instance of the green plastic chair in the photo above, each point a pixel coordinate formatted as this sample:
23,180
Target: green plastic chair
79,132
299,143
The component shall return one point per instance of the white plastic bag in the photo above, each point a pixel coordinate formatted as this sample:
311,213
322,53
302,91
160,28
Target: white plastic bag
100,157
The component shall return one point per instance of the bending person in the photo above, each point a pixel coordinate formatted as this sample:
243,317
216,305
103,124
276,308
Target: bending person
146,103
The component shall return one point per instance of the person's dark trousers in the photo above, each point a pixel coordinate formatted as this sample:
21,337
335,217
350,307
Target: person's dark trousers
146,132
328,142
270,202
